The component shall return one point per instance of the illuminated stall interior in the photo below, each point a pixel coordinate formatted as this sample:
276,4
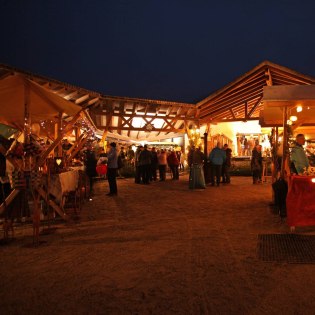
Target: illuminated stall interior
234,110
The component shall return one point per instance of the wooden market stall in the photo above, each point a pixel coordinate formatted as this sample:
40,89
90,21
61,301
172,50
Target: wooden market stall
293,108
23,105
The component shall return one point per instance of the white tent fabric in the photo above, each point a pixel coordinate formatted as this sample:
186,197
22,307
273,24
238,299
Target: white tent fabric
43,104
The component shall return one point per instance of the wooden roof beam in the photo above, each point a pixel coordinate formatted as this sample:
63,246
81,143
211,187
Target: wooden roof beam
255,106
268,77
288,81
142,129
232,103
222,109
82,99
293,74
240,88
240,94
71,95
220,120
246,110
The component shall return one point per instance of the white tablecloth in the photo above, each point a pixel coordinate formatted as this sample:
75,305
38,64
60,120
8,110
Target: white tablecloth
77,168
63,183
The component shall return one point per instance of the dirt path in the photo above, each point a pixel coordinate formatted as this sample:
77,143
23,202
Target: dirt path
157,249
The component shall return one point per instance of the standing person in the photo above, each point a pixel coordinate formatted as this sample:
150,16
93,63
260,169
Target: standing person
138,171
256,164
162,161
178,155
90,167
130,155
145,164
298,156
154,164
173,163
216,157
182,162
122,155
196,176
226,165
101,165
245,146
112,169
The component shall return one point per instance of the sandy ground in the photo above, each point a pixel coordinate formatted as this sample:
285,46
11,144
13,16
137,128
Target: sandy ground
157,249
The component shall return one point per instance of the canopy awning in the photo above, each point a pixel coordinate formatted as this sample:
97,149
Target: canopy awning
289,95
43,104
275,98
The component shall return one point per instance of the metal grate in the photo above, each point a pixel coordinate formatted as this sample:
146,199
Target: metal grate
288,248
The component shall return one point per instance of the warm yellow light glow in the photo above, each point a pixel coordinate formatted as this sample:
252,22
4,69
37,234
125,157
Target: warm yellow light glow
313,180
58,161
293,118
289,122
299,108
137,122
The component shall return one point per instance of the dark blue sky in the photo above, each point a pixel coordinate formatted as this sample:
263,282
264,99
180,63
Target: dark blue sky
176,50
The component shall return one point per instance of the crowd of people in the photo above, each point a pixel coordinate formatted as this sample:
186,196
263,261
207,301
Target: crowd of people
150,161
151,164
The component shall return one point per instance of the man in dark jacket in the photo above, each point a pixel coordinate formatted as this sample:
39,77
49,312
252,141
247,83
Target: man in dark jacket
217,157
226,165
90,166
112,166
145,164
154,164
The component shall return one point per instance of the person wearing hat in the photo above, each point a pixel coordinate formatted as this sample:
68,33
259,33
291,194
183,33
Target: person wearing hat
112,169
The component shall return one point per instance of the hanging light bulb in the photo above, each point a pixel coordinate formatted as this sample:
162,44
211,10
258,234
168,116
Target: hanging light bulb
293,118
299,108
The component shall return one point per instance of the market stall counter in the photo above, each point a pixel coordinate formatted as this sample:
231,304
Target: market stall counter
301,201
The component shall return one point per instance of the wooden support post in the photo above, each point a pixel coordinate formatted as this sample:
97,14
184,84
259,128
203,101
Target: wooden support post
9,199
51,203
77,133
58,140
104,138
77,142
285,141
59,132
205,145
36,217
78,147
27,122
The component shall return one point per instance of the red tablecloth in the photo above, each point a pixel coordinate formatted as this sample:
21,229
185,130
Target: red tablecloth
301,201
101,169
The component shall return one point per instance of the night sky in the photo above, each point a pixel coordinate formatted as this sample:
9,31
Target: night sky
164,49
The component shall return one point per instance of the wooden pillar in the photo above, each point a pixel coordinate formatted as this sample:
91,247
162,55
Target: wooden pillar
104,142
275,156
27,123
285,140
205,165
205,143
77,133
58,131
